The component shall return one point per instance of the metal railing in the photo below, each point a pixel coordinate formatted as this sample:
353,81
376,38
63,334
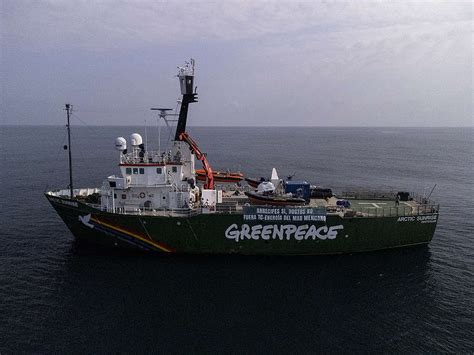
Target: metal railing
392,211
364,212
162,212
226,208
76,192
368,195
149,157
417,206
381,195
237,208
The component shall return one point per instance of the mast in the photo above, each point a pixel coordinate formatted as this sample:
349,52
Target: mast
68,112
186,81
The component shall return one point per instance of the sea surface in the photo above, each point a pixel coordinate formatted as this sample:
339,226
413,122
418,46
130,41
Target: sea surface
59,297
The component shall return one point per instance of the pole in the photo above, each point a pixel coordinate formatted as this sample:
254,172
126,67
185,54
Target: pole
431,192
159,135
68,112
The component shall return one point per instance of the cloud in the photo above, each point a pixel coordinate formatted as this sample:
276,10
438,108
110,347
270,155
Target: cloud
110,24
330,63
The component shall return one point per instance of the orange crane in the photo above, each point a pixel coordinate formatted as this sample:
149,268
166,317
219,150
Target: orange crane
202,157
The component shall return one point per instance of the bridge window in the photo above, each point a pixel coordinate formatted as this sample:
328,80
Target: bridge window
142,171
128,171
158,170
135,170
174,169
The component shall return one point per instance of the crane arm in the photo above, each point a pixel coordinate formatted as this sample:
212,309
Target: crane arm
201,156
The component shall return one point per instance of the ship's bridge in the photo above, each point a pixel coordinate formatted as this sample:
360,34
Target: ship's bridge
151,168
150,179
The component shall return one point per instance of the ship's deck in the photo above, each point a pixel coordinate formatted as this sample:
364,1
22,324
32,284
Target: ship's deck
361,205
380,205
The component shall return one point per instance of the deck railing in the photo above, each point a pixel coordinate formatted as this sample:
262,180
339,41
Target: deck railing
393,211
381,195
367,195
182,212
359,212
418,206
76,192
163,212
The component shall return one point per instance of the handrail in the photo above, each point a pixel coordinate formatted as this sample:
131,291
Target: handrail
150,157
362,212
396,211
381,195
368,195
235,207
76,192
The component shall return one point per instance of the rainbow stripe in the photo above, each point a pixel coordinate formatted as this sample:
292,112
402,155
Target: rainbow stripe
130,237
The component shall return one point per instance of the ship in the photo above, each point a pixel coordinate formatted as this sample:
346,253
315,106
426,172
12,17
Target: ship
161,203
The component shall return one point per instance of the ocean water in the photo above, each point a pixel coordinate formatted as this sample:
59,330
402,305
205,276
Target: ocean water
58,296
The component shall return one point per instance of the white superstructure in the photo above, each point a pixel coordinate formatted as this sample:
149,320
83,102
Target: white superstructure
154,180
151,179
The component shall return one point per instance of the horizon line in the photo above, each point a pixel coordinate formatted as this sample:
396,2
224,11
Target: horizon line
274,126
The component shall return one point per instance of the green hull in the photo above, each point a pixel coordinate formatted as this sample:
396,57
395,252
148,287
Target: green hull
223,233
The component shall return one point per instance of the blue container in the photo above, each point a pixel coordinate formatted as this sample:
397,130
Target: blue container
298,189
343,203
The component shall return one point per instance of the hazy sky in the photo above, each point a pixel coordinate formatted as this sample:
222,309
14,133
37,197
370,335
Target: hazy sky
331,63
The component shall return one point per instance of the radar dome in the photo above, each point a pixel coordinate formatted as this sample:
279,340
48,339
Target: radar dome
136,139
120,143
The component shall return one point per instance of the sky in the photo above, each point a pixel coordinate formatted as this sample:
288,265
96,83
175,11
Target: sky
258,63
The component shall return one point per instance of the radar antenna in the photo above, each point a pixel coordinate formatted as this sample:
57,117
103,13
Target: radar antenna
164,113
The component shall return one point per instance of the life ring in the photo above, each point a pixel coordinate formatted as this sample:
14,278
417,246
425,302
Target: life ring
142,195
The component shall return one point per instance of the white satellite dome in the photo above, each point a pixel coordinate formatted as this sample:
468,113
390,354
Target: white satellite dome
136,139
120,144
